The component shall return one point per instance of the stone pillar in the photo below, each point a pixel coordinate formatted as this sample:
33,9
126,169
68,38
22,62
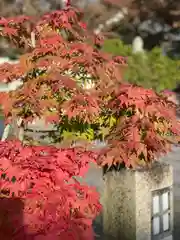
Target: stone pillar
127,201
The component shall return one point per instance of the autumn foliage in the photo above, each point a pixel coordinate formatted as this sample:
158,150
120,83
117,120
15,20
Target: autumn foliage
69,81
54,206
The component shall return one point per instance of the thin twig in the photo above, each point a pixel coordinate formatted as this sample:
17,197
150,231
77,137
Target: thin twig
33,39
21,134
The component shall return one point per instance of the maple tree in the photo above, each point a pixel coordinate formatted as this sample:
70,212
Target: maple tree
68,81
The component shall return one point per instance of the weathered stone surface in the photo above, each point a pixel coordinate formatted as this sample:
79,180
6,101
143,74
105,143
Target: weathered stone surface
160,176
119,205
127,201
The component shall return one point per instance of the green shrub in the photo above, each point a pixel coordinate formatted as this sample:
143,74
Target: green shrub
149,69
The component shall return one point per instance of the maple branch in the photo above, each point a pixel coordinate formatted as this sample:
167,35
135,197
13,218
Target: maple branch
20,125
21,134
6,132
33,39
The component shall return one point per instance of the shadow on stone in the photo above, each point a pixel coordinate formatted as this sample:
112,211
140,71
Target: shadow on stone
11,219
